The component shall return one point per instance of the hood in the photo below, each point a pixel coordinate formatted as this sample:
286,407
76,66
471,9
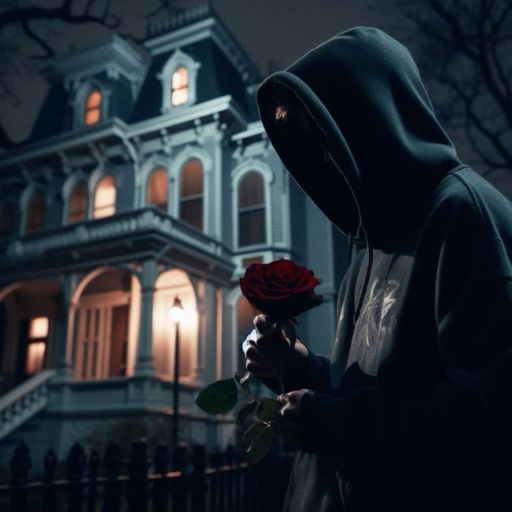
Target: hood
352,122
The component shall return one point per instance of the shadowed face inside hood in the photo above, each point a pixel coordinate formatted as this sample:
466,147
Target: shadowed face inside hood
352,122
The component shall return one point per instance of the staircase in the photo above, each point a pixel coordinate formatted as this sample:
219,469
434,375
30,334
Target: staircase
23,402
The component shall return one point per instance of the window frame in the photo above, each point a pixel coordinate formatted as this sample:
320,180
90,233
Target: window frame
176,60
237,176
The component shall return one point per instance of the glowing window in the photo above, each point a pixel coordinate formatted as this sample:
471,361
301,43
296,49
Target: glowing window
92,111
7,217
35,213
36,344
38,328
191,193
105,198
78,203
179,86
251,210
157,189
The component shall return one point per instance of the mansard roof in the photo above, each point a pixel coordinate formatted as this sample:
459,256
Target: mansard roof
129,75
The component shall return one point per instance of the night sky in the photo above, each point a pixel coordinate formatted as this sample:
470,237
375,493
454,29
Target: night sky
274,33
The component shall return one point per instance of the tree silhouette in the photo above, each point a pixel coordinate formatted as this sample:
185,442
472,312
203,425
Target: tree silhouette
465,53
26,26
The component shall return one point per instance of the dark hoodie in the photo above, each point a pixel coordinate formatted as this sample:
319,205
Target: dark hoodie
412,410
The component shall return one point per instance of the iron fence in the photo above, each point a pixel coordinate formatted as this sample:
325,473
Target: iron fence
189,481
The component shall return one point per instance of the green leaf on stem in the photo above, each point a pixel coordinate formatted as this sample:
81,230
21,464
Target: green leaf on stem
258,439
243,382
267,409
218,397
245,412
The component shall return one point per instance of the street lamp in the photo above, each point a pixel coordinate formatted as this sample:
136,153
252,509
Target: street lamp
176,315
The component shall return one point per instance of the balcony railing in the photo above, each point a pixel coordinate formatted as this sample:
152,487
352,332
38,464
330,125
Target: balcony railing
121,225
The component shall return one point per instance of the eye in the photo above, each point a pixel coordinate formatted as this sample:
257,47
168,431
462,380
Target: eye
280,113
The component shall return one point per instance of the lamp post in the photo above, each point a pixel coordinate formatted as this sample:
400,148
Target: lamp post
176,315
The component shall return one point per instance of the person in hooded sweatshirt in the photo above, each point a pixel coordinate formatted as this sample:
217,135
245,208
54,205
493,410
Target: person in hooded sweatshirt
412,411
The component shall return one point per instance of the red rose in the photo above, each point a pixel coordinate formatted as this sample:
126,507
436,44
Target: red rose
281,288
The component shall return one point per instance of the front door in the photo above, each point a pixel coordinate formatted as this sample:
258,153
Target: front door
102,336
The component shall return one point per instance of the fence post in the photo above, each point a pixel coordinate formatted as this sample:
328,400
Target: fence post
160,489
179,484
49,491
75,465
20,467
215,463
198,478
112,463
94,464
138,485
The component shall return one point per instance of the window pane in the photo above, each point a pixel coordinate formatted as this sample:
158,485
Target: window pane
92,110
7,219
180,96
157,188
191,182
94,99
191,211
180,78
35,357
105,197
92,116
250,191
251,228
35,215
78,203
38,327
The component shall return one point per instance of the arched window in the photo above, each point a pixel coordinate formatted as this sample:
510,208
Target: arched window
35,213
179,86
92,110
105,197
157,189
77,210
251,210
7,217
191,193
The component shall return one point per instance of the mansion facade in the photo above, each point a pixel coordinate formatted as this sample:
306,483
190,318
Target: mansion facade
147,176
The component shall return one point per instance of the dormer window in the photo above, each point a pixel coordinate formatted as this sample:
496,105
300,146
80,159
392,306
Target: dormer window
179,94
178,78
92,111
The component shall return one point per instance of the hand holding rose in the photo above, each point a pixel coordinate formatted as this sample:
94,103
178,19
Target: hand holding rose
267,352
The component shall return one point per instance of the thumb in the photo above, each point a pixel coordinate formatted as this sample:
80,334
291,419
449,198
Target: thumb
264,324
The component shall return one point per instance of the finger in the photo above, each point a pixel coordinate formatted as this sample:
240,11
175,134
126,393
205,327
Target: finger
254,355
259,370
289,411
264,324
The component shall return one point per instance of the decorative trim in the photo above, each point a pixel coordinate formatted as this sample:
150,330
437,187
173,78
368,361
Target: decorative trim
207,28
116,57
177,59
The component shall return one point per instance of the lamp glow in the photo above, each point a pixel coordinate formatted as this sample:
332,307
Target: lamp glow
176,312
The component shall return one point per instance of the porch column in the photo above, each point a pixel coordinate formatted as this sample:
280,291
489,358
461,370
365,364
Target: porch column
65,330
144,364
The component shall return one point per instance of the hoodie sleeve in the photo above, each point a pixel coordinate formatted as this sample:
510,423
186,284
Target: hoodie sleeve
463,414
